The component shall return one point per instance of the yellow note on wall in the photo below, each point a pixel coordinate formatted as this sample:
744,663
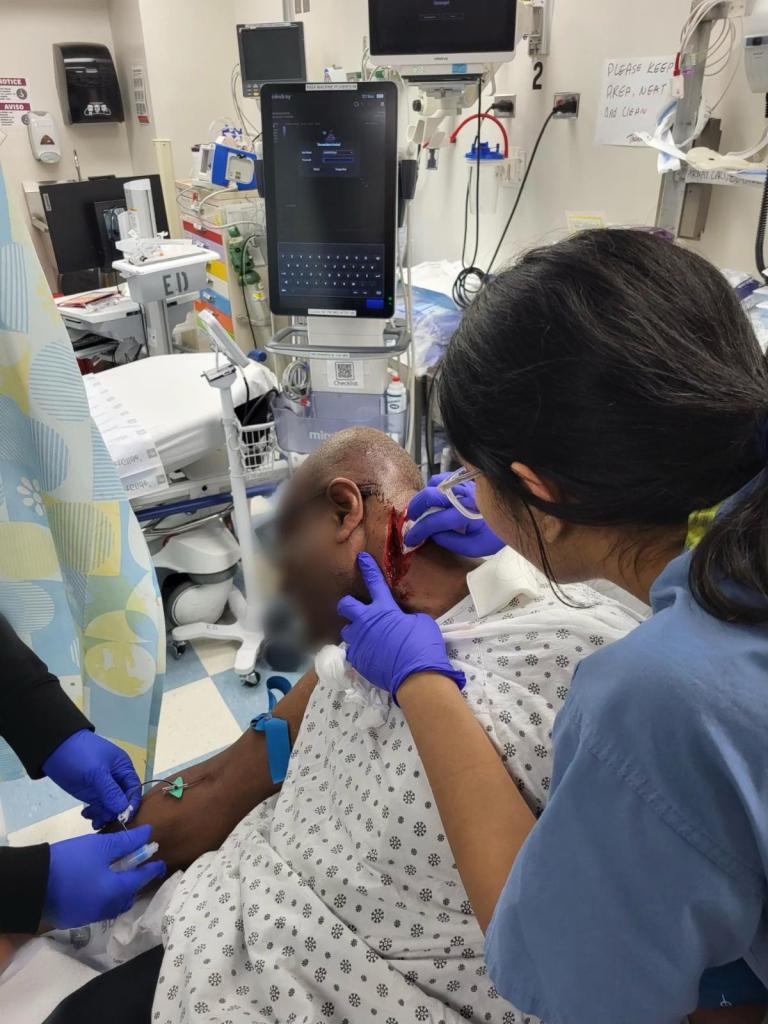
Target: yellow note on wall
582,221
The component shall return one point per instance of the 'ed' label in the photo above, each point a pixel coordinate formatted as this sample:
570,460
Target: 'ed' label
174,284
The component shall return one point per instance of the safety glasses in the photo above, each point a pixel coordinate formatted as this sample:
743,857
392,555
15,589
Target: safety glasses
455,480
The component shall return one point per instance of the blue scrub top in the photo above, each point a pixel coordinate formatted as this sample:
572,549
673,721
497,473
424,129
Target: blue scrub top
649,864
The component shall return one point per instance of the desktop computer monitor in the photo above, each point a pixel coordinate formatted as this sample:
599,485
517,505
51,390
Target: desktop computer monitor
271,53
330,181
451,34
82,219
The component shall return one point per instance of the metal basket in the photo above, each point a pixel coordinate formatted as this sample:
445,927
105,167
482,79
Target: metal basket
258,449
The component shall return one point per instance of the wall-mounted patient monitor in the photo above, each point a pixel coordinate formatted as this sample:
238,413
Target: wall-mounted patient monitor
271,53
425,38
330,178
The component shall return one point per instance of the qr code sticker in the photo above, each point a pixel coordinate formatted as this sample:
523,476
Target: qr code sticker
345,371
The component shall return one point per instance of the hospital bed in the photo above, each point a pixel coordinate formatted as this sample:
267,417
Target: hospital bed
162,424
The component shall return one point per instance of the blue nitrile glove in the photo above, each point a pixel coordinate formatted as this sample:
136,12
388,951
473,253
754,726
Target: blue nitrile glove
387,645
83,888
448,527
97,772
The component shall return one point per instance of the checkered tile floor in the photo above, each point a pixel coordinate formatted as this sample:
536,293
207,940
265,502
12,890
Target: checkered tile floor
205,707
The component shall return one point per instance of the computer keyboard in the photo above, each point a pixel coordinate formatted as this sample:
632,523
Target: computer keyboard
332,271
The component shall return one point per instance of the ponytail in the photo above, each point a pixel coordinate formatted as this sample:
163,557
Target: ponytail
729,568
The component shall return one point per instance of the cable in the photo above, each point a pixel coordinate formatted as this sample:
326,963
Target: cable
719,50
762,221
247,393
729,83
478,165
410,433
242,287
145,346
153,529
244,121
430,425
295,380
483,115
522,188
466,221
200,205
407,288
462,292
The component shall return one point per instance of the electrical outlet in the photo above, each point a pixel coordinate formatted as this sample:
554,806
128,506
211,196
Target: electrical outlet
508,104
564,97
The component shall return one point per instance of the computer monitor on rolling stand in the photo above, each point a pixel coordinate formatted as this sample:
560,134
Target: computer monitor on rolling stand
331,190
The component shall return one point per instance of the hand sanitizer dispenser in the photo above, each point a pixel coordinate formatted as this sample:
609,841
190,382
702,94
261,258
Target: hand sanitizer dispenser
43,137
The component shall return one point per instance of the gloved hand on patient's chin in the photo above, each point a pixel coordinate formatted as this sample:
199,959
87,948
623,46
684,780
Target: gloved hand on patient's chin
387,645
448,527
83,888
97,772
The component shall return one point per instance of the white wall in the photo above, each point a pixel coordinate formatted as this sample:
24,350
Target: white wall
27,31
125,20
571,173
191,48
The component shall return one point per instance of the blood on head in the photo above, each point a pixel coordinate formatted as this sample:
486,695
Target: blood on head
396,562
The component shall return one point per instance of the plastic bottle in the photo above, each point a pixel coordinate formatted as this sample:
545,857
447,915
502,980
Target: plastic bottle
396,402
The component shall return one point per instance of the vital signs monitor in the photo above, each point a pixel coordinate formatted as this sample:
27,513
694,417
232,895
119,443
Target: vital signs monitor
423,36
330,180
271,53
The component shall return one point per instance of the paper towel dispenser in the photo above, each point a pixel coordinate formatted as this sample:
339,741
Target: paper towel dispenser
87,82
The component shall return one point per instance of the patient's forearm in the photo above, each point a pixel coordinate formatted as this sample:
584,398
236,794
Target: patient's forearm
484,816
226,788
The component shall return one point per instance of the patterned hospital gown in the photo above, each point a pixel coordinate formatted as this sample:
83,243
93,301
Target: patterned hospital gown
338,901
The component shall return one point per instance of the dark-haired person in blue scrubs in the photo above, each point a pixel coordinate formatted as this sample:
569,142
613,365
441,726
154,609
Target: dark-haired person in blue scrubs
609,402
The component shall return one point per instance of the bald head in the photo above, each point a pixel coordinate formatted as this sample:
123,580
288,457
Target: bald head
338,504
366,456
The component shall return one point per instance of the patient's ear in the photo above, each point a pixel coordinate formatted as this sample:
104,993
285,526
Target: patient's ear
348,505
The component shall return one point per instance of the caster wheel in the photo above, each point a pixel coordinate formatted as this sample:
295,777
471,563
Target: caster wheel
178,649
252,680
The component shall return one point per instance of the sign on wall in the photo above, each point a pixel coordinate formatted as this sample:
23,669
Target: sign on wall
632,92
15,103
139,90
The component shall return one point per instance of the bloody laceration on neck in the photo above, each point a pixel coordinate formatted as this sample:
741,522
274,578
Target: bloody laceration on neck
396,562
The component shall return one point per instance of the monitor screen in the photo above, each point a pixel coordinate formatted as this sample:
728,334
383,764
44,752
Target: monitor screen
441,26
271,53
330,179
109,228
81,217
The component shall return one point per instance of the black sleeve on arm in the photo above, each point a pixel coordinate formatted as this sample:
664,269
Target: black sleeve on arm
36,716
23,880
